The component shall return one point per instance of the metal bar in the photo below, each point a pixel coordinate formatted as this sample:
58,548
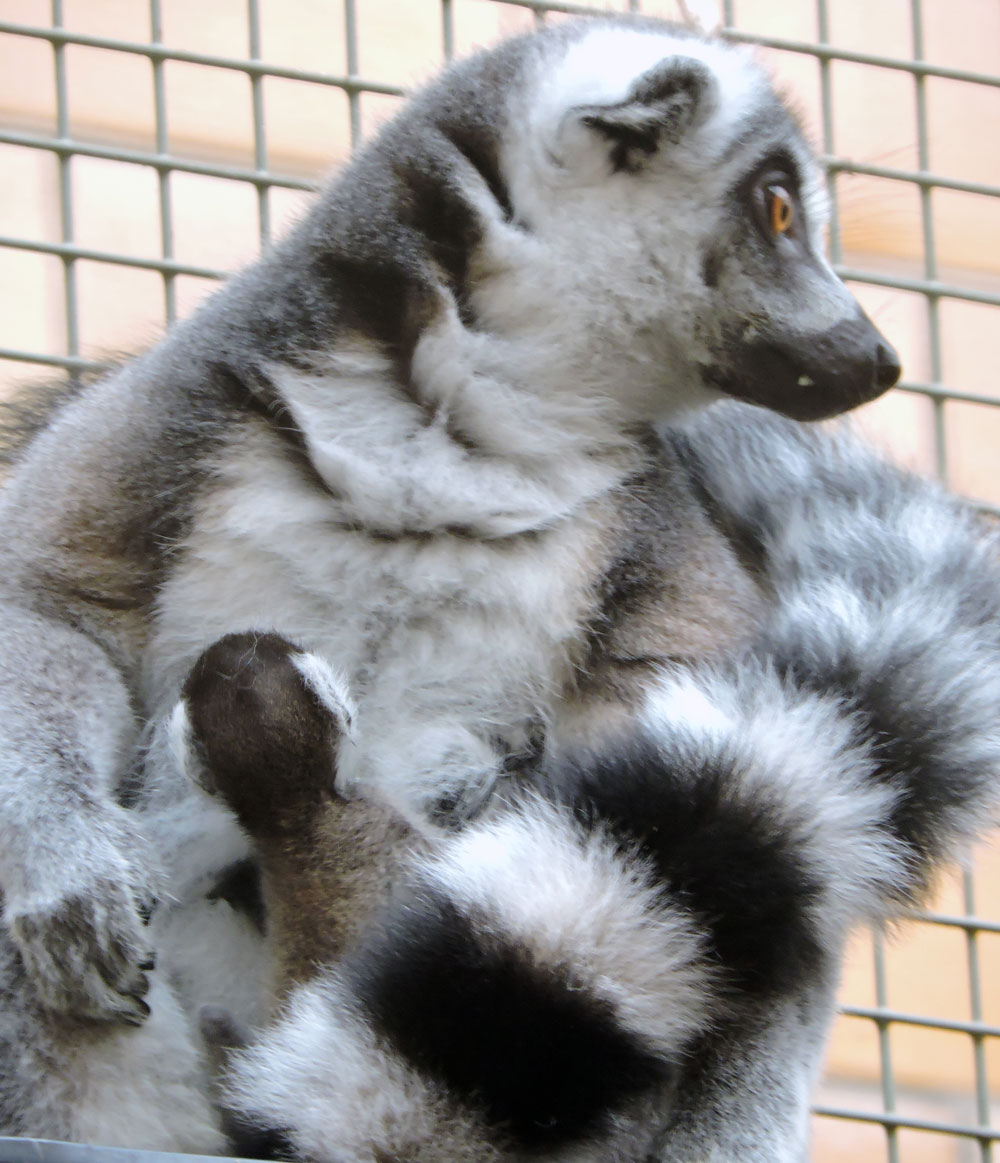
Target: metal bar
70,305
978,1029
930,245
448,28
921,286
987,508
541,7
887,1079
265,69
68,147
980,924
163,176
167,267
893,1123
59,37
829,52
259,139
17,1150
976,1006
351,43
70,363
914,177
941,392
826,98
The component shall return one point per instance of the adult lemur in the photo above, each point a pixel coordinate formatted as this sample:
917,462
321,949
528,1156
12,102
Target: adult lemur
417,439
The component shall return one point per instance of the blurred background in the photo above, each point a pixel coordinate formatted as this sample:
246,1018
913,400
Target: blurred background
149,146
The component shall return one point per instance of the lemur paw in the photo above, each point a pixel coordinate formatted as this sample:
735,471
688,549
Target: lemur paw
259,723
84,943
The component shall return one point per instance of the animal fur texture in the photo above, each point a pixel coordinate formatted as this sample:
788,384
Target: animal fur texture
631,954
422,438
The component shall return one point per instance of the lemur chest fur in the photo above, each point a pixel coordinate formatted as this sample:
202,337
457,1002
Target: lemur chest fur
455,646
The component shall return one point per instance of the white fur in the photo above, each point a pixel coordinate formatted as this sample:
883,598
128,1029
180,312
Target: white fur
321,1071
164,1105
351,1097
473,637
864,583
795,752
522,425
602,67
572,900
144,1088
447,573
394,473
181,743
652,229
329,686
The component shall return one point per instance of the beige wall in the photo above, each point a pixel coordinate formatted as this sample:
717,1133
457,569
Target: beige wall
209,116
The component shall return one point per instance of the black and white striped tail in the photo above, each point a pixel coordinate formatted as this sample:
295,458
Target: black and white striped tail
636,959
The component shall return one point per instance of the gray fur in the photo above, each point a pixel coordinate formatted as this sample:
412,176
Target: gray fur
855,741
416,438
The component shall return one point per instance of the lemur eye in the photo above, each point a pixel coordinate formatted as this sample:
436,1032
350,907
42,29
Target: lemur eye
780,209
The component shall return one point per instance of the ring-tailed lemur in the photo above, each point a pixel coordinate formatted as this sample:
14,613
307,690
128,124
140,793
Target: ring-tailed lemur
630,956
416,437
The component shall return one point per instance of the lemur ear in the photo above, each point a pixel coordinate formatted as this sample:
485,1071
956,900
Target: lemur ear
662,107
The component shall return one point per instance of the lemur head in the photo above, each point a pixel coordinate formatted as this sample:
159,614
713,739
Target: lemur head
703,212
636,209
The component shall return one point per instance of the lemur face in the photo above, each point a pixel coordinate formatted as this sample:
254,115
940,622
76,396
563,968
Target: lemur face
679,210
783,330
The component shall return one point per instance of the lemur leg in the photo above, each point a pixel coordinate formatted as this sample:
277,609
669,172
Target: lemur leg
260,724
106,1083
74,871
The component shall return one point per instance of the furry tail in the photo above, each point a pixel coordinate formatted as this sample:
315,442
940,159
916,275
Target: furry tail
530,993
873,692
637,958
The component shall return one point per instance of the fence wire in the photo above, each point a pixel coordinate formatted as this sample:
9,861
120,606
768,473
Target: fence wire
968,1138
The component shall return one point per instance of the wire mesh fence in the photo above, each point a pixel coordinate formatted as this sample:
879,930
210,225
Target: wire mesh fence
149,147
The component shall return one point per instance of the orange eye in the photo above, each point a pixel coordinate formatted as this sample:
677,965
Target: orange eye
780,209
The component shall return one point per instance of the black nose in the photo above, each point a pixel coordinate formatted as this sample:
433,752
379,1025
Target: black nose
887,366
810,376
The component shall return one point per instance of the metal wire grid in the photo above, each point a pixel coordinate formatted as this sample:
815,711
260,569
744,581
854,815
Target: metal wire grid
981,1133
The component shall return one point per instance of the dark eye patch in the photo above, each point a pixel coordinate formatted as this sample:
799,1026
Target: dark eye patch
778,171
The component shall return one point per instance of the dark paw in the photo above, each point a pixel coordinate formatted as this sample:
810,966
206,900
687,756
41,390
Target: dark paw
264,721
87,955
